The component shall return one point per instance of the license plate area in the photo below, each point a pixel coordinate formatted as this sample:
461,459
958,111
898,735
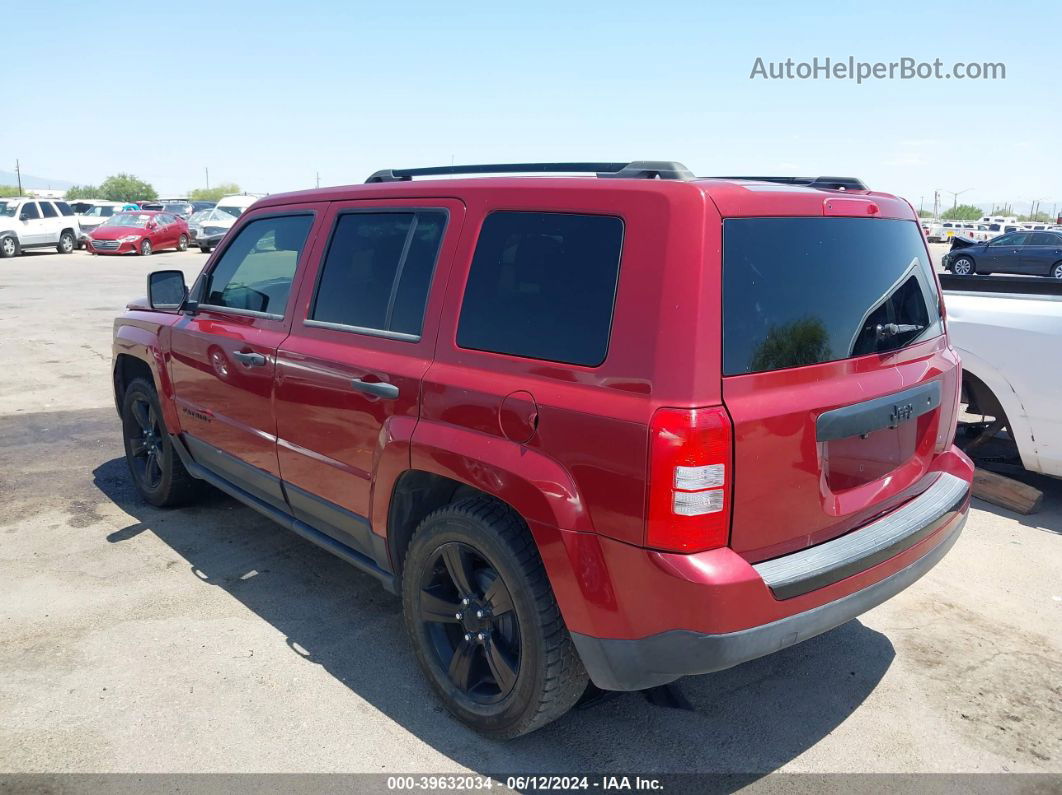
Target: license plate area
866,441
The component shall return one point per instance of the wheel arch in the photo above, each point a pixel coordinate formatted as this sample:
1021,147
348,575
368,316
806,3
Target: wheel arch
137,352
991,389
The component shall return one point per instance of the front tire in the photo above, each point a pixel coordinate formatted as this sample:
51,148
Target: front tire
205,249
963,266
1056,270
182,243
507,666
154,465
67,243
145,248
9,247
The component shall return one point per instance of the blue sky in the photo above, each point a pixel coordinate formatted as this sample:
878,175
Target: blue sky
265,94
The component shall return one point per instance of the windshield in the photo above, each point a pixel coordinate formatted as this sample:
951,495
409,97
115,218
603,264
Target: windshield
799,291
98,212
127,219
235,212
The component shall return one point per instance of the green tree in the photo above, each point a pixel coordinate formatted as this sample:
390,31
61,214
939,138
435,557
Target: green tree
964,212
8,190
1040,218
82,192
215,193
126,188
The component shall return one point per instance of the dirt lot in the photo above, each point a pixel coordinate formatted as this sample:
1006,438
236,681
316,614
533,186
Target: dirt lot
208,639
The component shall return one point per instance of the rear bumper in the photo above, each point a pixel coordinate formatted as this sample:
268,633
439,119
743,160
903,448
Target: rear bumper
742,611
615,664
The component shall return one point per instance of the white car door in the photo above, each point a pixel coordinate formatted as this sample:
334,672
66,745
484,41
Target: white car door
29,225
51,222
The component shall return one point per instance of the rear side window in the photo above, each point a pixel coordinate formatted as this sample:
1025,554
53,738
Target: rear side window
378,270
542,286
256,270
64,208
49,210
799,291
1043,239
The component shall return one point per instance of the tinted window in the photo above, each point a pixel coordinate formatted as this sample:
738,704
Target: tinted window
256,269
29,209
64,208
1043,239
1016,239
378,270
49,210
799,291
542,285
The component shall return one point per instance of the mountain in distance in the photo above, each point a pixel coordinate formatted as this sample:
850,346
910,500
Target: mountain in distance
31,182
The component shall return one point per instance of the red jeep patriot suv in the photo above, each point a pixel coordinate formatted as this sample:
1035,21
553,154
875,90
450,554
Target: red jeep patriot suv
624,426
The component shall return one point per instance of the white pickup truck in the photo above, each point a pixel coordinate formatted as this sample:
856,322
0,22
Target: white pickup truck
1008,331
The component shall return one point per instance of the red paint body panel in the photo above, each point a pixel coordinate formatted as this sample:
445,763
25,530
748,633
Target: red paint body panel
568,446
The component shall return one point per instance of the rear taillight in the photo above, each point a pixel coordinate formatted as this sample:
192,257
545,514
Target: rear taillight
690,479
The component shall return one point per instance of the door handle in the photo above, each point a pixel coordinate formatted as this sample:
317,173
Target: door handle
379,388
249,359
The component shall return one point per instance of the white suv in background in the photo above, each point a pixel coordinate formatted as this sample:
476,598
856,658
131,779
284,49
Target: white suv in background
37,223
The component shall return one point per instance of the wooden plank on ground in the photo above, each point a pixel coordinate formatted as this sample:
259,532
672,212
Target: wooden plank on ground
1006,492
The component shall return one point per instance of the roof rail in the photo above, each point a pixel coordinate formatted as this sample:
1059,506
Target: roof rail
638,169
829,183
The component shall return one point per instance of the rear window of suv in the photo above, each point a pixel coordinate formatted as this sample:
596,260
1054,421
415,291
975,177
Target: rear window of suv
799,291
542,286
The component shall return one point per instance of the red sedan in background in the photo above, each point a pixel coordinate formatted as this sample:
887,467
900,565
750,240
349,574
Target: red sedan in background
139,232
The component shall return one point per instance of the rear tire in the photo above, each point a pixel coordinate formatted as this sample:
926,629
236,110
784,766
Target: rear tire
963,266
154,465
205,249
182,243
9,247
1056,270
511,667
67,243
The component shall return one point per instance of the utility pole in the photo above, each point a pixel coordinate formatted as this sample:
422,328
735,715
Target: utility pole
936,203
318,173
956,194
921,203
206,170
18,175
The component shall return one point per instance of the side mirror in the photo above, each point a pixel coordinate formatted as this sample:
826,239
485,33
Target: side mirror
166,290
24,217
152,226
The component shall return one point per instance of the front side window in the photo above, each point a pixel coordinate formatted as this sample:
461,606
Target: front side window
1017,239
542,286
800,291
378,270
30,211
256,270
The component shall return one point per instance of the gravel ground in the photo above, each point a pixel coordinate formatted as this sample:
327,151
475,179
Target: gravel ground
208,639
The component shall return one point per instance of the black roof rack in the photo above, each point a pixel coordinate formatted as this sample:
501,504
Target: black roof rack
638,169
830,183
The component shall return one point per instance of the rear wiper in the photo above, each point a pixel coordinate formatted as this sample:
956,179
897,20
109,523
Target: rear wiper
884,331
